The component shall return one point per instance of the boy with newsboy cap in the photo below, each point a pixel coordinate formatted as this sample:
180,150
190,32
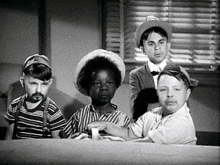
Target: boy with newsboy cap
153,37
34,115
169,124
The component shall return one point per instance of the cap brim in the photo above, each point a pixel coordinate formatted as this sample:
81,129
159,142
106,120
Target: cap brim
36,59
149,24
177,68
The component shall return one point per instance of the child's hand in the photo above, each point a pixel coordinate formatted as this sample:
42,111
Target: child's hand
101,125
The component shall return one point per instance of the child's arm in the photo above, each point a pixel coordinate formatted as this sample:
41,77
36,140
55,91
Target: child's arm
145,139
9,132
113,129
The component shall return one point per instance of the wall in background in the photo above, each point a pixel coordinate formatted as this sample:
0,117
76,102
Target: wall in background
75,30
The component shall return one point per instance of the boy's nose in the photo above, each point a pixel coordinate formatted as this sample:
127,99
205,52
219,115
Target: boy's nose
169,93
104,86
38,89
156,47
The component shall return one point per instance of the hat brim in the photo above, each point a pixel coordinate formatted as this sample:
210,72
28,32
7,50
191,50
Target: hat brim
149,24
113,57
36,59
176,68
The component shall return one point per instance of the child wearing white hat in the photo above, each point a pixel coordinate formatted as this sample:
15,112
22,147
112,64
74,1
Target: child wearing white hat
97,75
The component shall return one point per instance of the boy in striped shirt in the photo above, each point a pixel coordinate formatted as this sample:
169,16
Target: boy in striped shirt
97,75
34,115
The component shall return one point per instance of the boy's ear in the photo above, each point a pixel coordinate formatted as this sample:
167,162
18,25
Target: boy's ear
168,45
188,92
22,81
142,48
51,81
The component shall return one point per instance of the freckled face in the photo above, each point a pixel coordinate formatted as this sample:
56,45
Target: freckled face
172,93
103,87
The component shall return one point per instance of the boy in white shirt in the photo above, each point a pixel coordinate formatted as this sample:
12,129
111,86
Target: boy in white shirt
169,124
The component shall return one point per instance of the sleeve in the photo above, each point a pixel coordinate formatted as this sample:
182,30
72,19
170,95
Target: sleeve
172,132
70,127
10,114
56,119
137,127
134,88
144,124
124,120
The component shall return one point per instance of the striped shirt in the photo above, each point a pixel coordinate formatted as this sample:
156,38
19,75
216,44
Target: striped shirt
30,121
79,121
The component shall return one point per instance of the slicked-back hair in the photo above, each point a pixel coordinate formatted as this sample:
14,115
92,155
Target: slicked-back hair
150,30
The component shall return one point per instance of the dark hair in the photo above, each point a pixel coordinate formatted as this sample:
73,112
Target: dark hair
178,75
39,71
156,29
145,96
94,65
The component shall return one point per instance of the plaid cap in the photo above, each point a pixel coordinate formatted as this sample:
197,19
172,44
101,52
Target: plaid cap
178,69
36,59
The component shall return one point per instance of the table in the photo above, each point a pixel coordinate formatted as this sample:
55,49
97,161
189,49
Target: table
95,152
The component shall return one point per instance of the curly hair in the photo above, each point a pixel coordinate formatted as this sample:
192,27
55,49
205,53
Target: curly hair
86,74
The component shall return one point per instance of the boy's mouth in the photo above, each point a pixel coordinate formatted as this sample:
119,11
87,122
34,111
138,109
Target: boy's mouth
170,102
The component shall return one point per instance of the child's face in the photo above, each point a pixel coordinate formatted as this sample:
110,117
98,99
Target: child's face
102,87
36,89
156,47
172,93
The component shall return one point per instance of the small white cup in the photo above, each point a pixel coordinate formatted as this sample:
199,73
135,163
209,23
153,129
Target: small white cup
95,133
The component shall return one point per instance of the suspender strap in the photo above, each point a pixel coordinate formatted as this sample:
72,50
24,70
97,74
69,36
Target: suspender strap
45,129
20,103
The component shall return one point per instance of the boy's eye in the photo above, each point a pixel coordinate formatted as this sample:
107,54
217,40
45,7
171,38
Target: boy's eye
162,89
45,83
150,44
33,83
96,84
177,89
162,42
110,83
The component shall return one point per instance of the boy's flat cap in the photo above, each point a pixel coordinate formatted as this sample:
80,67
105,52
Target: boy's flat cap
36,59
181,70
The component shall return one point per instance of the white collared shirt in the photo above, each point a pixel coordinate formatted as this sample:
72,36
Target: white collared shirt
158,68
177,128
